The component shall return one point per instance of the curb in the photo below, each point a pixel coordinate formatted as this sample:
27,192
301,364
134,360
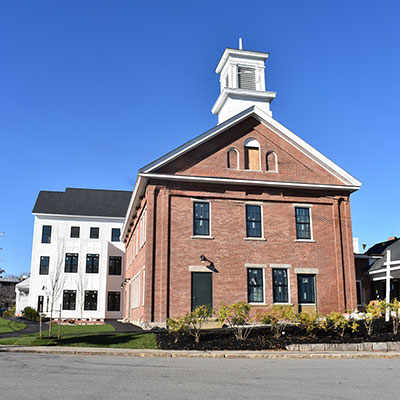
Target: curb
265,354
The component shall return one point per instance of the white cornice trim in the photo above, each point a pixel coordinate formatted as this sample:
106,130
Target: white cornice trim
248,94
241,53
76,216
250,182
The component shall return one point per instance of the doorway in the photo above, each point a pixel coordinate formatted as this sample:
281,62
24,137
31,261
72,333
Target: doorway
201,289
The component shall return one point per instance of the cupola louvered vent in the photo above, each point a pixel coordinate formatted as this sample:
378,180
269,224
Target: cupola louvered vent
247,78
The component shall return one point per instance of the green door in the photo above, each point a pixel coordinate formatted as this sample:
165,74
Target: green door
201,289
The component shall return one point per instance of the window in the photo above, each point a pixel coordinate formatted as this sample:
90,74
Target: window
69,300
136,290
71,262
233,159
359,293
75,231
280,282
94,233
271,162
253,221
306,289
44,265
303,224
114,300
40,304
115,232
252,155
114,266
46,234
247,78
255,285
201,223
90,300
92,263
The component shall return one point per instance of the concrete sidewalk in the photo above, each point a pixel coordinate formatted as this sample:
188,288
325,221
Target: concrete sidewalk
88,351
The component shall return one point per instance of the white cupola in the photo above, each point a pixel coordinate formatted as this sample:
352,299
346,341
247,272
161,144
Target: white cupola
242,78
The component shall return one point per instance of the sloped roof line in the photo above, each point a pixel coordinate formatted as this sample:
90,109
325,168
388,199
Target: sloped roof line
272,124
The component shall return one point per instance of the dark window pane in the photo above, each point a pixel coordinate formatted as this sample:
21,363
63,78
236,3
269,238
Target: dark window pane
90,300
303,225
92,263
359,292
201,219
71,262
253,221
69,299
255,285
114,300
115,232
75,231
115,265
46,234
44,265
306,288
94,233
280,283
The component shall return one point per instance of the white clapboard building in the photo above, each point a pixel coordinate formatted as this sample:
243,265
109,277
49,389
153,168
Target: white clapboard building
77,257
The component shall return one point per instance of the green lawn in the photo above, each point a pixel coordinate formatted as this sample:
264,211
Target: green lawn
78,329
7,326
113,340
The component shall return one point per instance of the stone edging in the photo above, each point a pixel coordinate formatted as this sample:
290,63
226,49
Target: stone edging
366,346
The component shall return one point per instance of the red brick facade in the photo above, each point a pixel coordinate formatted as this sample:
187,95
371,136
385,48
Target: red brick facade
170,248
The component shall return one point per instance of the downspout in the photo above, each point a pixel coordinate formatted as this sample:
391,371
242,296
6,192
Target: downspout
340,201
168,254
153,273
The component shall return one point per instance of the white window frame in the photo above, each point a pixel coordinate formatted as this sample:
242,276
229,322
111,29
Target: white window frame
209,236
309,206
248,143
255,266
135,288
255,203
144,285
281,266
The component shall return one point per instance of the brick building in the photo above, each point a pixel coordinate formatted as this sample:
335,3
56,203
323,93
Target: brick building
246,211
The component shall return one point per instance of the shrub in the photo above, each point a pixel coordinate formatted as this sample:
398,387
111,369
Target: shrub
311,321
394,308
196,320
10,312
278,316
372,312
190,322
237,317
178,325
31,314
340,323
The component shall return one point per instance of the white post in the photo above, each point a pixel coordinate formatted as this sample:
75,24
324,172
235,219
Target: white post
387,299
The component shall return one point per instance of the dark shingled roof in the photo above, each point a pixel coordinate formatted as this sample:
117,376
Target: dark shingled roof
381,248
87,202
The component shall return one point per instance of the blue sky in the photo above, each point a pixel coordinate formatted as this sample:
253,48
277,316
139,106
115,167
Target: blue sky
90,91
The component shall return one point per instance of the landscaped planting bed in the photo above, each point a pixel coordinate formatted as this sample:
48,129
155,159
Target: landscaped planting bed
264,338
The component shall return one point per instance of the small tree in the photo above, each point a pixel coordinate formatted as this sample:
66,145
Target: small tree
372,312
279,317
196,320
237,317
56,282
177,326
394,313
311,321
340,323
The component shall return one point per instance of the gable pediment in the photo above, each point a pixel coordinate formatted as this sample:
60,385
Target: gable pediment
213,155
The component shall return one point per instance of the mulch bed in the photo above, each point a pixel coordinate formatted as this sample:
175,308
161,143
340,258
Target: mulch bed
262,338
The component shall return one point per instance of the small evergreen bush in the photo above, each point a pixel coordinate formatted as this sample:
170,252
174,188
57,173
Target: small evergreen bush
31,314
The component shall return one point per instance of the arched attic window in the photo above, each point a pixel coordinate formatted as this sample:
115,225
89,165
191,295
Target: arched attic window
233,158
271,161
252,155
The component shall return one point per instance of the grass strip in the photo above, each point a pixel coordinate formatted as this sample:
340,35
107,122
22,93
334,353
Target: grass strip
7,326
